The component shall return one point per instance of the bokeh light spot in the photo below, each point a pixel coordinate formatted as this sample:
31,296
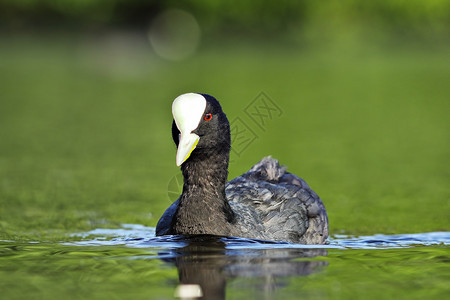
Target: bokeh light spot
174,35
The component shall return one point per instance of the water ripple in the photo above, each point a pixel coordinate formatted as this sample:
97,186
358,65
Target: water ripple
134,235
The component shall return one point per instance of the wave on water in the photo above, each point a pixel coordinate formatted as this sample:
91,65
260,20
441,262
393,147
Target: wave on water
135,235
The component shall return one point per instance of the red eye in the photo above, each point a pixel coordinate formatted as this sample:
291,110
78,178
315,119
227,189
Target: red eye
208,117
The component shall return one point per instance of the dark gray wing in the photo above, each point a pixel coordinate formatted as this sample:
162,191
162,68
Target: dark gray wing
279,201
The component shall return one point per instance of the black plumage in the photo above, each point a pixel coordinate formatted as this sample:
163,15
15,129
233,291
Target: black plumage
265,203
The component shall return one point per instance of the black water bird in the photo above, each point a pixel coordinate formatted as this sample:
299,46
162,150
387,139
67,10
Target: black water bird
267,202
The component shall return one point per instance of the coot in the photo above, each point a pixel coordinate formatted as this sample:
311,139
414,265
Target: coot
267,202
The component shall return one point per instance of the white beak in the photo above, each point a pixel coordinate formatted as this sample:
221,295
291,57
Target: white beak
186,145
187,111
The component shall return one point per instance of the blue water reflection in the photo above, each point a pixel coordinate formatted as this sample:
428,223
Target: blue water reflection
134,235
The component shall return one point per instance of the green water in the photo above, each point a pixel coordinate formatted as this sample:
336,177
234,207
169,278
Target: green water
85,143
50,271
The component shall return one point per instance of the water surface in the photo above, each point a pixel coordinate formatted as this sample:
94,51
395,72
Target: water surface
86,143
130,262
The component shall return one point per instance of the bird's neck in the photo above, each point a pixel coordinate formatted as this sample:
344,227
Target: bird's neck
203,204
206,172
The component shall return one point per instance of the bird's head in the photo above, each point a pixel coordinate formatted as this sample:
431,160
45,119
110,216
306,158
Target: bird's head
198,123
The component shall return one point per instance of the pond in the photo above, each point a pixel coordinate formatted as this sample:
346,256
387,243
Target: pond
130,262
85,149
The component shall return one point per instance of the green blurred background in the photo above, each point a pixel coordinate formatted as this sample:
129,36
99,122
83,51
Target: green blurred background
86,90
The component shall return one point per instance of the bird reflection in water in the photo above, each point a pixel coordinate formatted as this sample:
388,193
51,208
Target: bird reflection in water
206,262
